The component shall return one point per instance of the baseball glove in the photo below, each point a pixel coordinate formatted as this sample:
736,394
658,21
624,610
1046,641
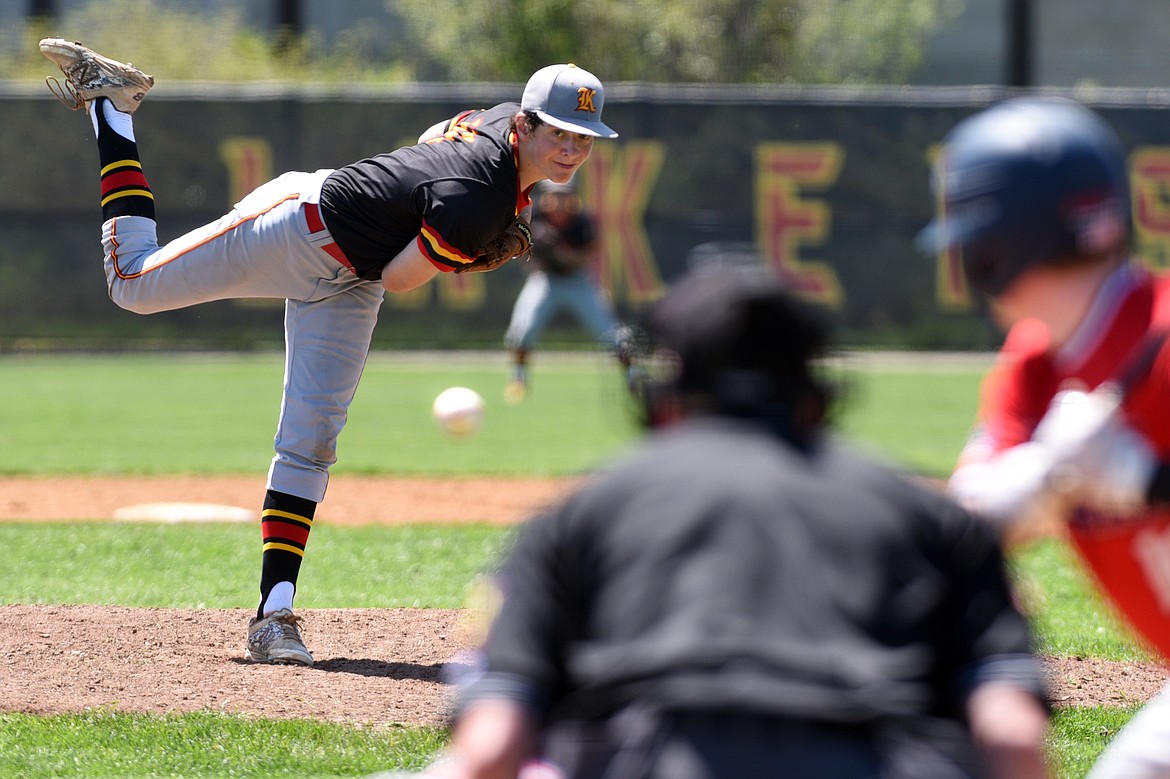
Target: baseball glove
512,242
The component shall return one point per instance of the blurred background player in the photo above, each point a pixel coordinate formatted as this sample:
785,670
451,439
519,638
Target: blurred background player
331,243
1035,196
743,596
561,268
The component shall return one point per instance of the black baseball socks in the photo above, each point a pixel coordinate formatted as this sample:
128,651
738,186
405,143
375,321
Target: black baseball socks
124,188
284,525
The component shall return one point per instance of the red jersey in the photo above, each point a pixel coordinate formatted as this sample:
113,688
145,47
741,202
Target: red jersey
1129,557
1028,372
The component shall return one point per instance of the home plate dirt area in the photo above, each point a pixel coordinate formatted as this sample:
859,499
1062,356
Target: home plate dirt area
374,667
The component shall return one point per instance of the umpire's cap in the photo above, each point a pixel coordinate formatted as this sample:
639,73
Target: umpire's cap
741,342
1029,181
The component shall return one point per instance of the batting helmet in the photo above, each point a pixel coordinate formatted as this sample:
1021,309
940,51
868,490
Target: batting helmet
1029,181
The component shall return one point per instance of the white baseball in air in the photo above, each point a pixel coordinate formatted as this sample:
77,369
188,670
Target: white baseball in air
458,411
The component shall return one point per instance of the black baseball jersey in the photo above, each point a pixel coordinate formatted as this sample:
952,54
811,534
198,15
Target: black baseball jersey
548,240
721,569
451,194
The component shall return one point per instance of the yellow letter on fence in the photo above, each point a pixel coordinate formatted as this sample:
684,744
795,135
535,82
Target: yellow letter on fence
785,221
619,180
1150,185
249,164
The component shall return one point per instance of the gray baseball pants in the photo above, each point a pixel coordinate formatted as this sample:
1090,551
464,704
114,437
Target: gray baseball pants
268,246
543,295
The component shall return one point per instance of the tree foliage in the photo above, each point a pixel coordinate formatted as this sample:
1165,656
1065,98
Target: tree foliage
687,41
700,41
180,42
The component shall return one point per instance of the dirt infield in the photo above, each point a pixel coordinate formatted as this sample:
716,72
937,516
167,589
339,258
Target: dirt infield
374,666
351,500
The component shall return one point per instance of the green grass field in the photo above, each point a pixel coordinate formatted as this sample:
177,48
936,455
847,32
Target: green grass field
216,413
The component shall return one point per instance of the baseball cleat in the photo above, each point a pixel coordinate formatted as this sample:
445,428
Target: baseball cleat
276,639
515,392
89,75
517,388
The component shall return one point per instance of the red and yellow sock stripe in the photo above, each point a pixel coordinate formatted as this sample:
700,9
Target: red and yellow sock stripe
285,531
124,178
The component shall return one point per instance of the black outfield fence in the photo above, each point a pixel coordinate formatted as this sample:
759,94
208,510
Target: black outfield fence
830,186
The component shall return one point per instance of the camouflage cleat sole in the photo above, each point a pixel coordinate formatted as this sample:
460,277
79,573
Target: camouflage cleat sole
89,75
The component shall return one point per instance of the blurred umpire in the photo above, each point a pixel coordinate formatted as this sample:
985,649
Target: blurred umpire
743,596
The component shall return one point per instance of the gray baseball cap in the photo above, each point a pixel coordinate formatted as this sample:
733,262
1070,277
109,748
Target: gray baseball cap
567,97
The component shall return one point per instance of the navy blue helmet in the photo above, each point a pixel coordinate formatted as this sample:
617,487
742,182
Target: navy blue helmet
1029,181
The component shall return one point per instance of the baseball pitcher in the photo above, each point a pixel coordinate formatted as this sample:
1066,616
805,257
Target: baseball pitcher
331,243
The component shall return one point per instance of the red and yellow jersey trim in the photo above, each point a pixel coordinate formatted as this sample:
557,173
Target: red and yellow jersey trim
523,196
442,255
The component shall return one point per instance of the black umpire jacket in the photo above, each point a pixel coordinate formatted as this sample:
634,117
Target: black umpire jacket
720,568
